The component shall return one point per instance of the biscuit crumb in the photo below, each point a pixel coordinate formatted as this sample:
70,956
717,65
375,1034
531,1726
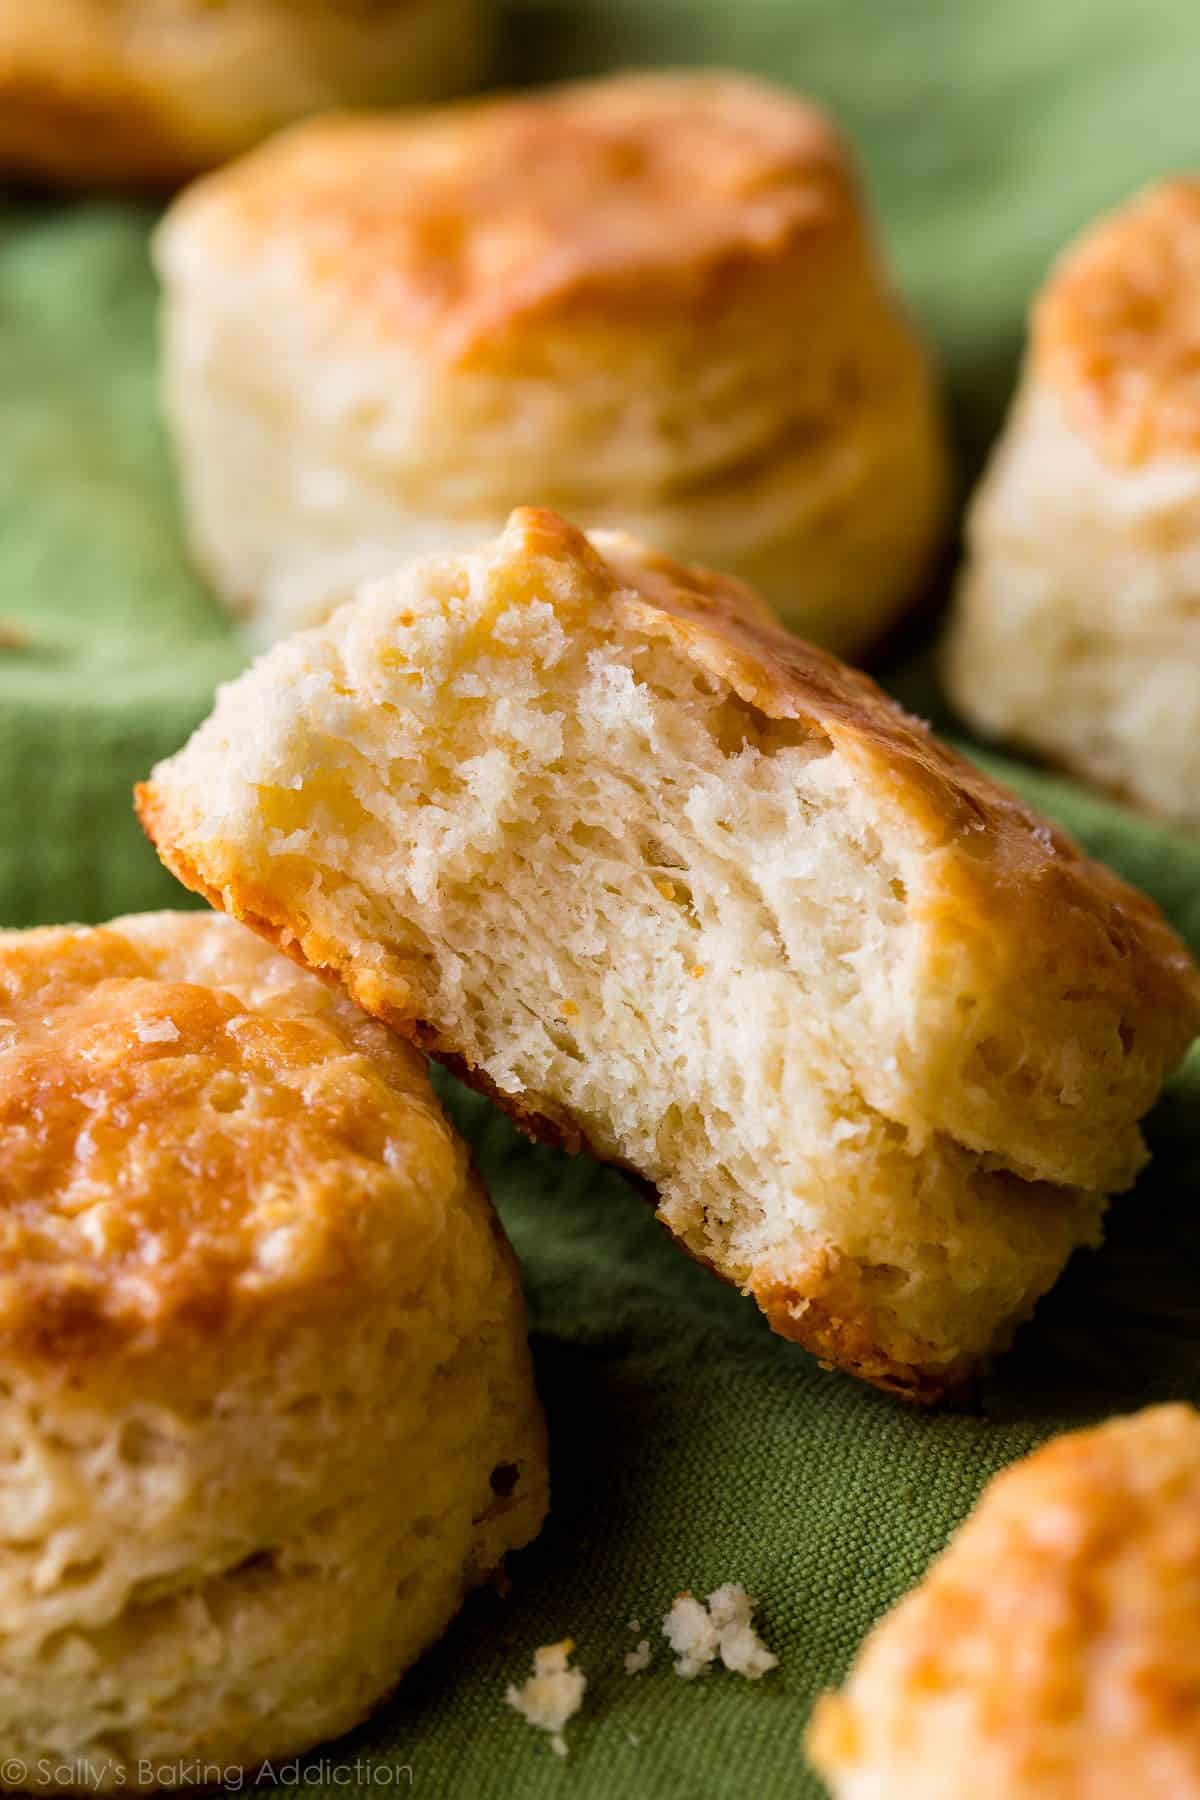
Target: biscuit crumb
691,1634
638,1658
552,1695
156,1031
699,1634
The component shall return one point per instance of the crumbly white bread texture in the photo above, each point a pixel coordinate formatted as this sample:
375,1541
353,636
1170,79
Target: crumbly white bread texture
145,93
1076,631
266,1405
701,1634
673,885
651,301
1053,1651
552,1695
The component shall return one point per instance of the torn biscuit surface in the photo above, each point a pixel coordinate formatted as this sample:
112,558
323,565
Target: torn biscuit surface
671,884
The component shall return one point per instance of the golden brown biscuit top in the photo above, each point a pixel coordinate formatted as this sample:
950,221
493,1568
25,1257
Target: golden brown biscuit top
1119,325
1065,1615
177,1150
451,226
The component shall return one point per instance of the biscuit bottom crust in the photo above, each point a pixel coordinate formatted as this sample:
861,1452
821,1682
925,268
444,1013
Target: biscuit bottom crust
266,1405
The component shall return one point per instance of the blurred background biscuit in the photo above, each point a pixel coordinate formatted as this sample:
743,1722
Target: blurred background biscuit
266,1409
652,301
130,93
1054,1649
1077,629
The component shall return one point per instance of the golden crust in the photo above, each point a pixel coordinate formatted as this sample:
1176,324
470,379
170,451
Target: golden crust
189,1136
50,131
1055,1647
1117,326
825,1307
640,192
145,93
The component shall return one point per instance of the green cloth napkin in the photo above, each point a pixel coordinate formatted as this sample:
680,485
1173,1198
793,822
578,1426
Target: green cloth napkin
690,1446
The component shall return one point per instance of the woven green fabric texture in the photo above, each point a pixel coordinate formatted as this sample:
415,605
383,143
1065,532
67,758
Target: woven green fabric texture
690,1446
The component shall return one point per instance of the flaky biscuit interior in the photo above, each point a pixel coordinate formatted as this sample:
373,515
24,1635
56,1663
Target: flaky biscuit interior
670,883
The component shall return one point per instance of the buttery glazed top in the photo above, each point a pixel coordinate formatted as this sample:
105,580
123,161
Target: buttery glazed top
1058,1636
453,226
1118,325
193,1128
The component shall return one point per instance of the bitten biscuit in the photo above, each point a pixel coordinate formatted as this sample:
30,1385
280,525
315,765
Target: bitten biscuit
651,301
671,883
101,93
1077,630
1053,1651
266,1409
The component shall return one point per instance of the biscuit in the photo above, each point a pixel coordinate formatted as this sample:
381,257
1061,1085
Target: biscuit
1077,627
144,93
672,884
1053,1650
266,1408
651,301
